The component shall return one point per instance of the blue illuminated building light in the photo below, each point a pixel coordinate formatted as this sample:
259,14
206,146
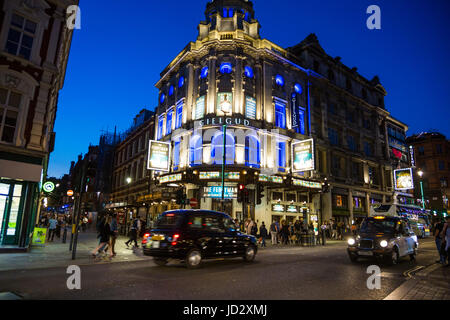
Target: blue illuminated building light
181,82
279,80
204,72
171,91
298,88
226,68
163,98
248,72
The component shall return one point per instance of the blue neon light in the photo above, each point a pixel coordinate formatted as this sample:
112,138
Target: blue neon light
248,72
204,72
279,80
226,67
171,91
298,88
163,98
181,82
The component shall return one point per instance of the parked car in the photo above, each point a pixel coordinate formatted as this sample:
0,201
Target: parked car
385,238
195,235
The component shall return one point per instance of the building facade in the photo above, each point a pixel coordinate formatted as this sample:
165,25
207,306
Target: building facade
432,156
34,49
132,191
273,102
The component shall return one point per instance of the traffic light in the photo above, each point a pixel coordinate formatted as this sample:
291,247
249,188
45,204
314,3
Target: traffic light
246,196
241,193
259,193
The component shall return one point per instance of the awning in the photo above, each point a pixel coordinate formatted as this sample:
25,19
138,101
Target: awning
20,170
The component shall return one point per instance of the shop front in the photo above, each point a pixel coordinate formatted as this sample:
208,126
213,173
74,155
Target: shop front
340,205
19,200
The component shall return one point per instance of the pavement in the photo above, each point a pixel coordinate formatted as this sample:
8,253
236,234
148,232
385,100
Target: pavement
431,283
57,254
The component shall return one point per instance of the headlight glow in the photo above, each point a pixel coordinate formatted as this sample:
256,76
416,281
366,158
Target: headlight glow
384,243
351,241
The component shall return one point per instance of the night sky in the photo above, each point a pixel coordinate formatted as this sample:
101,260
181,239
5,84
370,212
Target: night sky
122,47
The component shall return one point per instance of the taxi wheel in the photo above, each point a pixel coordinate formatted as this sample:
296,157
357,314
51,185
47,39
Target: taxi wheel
193,259
250,254
394,257
160,261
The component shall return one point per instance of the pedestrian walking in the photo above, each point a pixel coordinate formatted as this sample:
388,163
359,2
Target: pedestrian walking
134,231
446,236
254,228
438,227
64,228
284,232
104,234
114,234
52,224
58,227
274,233
263,234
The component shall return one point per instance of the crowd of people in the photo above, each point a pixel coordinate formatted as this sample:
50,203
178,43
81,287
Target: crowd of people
284,232
60,224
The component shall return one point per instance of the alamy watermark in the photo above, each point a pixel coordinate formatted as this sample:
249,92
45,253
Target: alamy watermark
374,20
74,280
73,20
374,280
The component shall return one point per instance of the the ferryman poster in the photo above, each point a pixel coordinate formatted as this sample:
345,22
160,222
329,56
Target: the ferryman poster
159,156
303,156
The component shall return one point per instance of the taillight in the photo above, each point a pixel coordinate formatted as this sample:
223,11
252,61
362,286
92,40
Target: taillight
145,238
175,239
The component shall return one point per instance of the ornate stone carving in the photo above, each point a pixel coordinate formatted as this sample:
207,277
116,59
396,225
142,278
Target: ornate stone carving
11,81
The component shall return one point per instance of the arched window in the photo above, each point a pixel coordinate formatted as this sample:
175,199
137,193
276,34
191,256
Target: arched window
217,149
226,67
252,152
196,151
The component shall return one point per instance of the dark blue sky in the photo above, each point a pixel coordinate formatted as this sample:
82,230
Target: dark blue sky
122,47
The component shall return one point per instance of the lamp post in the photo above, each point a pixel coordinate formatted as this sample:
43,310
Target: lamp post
420,173
128,200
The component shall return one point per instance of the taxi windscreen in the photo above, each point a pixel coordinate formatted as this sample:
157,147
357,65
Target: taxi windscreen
378,226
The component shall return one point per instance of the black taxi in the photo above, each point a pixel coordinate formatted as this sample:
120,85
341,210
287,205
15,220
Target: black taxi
386,238
194,235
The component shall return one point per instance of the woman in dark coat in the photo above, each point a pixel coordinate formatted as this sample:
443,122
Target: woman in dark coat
104,234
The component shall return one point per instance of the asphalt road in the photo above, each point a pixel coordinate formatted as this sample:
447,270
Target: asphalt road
276,274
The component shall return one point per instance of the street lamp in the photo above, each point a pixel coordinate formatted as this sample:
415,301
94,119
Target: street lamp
128,180
420,173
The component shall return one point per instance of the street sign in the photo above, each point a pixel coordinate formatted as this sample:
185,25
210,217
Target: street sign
193,202
70,193
48,186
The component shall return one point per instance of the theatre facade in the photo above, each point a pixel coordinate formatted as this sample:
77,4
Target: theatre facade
282,129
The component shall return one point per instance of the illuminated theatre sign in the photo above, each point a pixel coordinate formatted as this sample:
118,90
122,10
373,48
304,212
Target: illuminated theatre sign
159,156
229,121
303,156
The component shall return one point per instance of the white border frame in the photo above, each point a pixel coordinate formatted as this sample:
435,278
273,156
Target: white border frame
412,179
313,156
169,156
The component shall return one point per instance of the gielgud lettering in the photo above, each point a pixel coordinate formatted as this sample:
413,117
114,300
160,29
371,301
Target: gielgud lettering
222,121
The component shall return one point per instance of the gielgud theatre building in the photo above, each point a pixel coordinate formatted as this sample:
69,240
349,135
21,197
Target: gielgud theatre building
290,122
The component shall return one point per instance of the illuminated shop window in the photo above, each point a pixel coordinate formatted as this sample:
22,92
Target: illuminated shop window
252,152
160,126
280,115
248,72
281,148
176,155
169,121
204,72
196,151
279,80
179,119
217,149
226,68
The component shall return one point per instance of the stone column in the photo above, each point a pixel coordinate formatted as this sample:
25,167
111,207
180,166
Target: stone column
239,97
190,92
350,204
212,86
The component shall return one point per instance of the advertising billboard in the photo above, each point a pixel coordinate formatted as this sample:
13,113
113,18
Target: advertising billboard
403,179
159,156
225,103
303,156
